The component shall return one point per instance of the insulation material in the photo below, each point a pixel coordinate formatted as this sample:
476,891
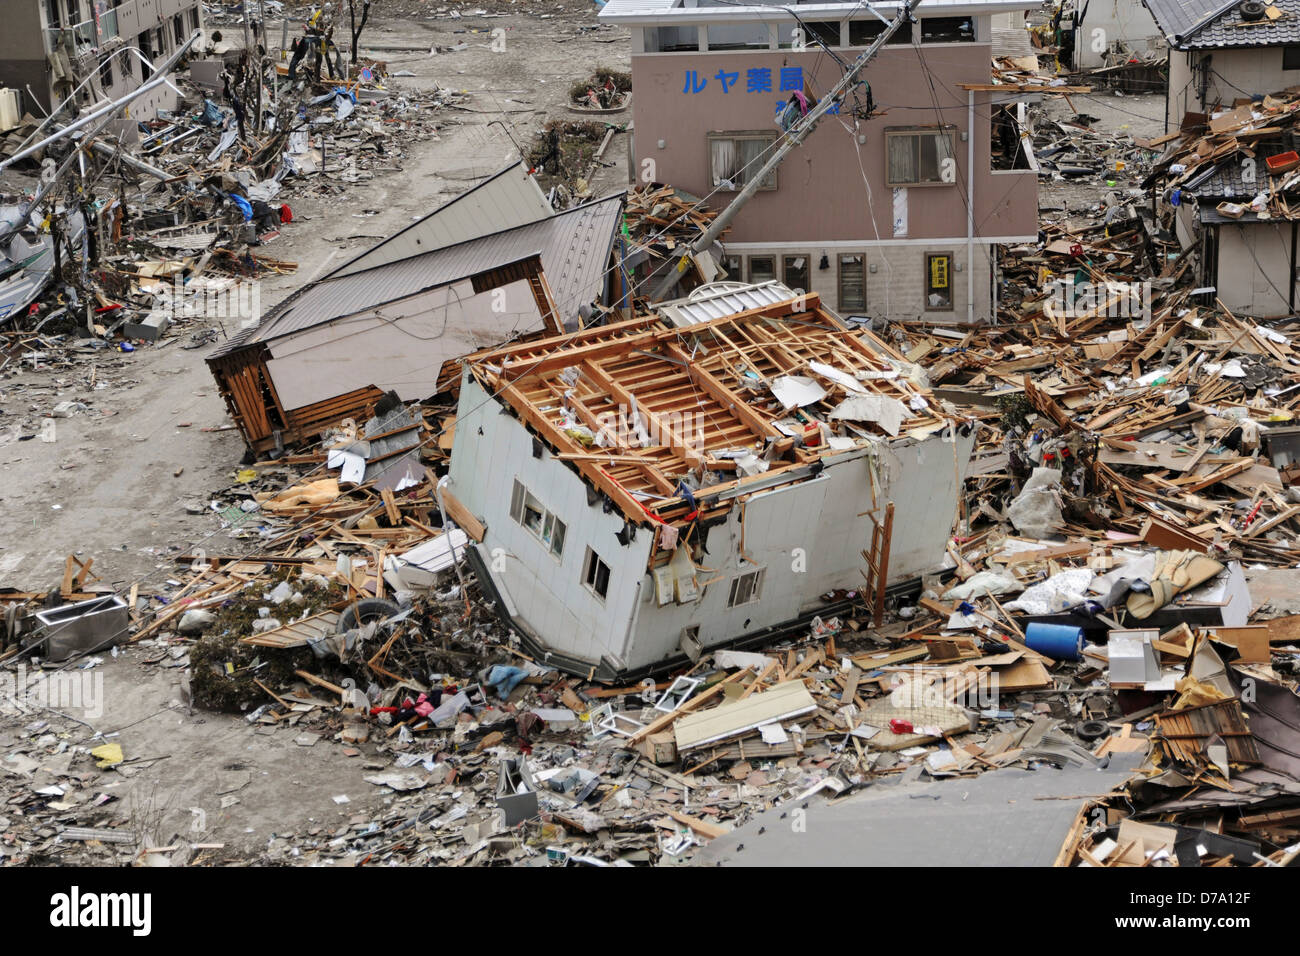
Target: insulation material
796,391
1037,511
1060,591
887,412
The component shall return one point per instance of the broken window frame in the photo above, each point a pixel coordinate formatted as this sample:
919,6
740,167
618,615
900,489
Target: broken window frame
947,30
842,300
768,274
671,39
931,288
830,32
734,266
753,581
550,529
917,134
804,271
746,167
865,31
592,578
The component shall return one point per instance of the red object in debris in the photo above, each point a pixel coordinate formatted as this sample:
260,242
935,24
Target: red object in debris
1283,162
286,214
1076,249
901,726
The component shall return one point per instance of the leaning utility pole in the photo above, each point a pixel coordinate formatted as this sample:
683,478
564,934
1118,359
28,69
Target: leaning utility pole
792,138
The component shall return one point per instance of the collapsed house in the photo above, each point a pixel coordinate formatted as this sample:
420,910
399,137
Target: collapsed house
1228,181
1218,51
390,318
653,488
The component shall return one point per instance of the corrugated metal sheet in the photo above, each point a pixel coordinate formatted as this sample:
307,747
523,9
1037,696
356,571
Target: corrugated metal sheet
717,299
574,247
507,199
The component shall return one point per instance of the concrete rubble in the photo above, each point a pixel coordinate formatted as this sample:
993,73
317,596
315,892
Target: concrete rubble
1106,622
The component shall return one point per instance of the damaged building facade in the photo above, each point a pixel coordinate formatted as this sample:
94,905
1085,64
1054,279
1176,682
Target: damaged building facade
49,47
890,208
661,486
492,265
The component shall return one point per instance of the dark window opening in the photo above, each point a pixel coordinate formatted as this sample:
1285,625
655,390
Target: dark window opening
947,30
865,32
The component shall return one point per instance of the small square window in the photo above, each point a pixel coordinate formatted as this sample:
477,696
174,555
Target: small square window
762,268
734,267
920,157
795,272
533,514
596,574
735,158
553,533
745,588
1291,58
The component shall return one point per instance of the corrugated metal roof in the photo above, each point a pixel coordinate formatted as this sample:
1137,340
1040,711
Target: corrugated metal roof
502,201
717,299
1213,26
574,246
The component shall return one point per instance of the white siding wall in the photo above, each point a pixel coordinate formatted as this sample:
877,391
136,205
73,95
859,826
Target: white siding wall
1247,288
548,594
819,517
1119,20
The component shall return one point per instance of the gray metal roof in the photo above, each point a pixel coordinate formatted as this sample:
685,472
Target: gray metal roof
502,201
574,246
717,299
1209,24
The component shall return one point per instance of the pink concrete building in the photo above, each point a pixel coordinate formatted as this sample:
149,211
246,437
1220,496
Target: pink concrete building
892,207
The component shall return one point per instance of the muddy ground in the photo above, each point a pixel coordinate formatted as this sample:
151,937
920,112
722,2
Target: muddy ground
107,487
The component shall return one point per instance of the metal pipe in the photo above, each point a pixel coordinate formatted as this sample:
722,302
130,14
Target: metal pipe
159,77
793,137
109,150
970,206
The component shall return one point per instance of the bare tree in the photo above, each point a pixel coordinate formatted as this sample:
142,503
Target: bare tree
357,27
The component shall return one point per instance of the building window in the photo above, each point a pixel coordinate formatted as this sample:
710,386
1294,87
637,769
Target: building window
1291,58
735,157
827,31
865,33
853,282
178,25
745,588
794,270
762,268
734,268
529,512
938,281
738,36
595,574
920,157
194,19
947,30
106,74
671,39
